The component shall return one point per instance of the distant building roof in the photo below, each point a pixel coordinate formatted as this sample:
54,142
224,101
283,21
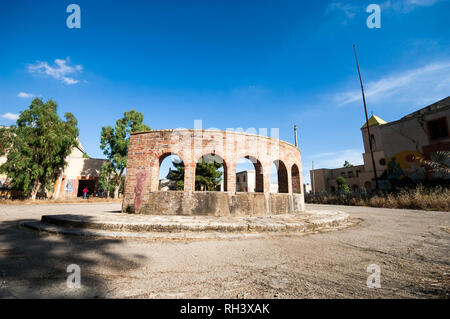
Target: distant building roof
432,107
374,120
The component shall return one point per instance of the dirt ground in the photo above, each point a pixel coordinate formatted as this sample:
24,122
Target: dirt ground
412,249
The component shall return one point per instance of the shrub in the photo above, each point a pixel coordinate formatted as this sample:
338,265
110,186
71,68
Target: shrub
420,197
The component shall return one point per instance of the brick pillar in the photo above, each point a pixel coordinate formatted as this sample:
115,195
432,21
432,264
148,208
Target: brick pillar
154,175
266,178
231,177
300,179
289,179
189,177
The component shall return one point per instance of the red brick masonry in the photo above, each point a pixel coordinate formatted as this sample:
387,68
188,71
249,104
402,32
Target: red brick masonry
148,149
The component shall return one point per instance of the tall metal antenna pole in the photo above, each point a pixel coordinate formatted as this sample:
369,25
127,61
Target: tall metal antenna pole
367,122
295,134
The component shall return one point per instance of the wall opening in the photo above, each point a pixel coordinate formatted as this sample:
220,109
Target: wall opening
278,177
249,175
295,175
211,174
372,139
171,172
86,183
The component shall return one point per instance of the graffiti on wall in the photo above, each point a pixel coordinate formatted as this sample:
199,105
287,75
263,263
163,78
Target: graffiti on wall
406,165
71,186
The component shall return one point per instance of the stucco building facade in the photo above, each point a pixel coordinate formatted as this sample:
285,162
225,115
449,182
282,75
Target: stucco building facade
80,172
398,149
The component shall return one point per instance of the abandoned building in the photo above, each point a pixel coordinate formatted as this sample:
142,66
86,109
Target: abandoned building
148,149
79,173
245,182
398,148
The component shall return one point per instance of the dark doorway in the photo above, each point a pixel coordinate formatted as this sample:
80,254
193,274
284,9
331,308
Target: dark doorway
89,183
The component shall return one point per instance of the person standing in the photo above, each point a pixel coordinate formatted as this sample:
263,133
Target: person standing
85,190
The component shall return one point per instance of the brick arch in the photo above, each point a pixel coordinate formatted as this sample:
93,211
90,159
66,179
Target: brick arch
161,158
154,163
283,177
259,171
147,148
164,154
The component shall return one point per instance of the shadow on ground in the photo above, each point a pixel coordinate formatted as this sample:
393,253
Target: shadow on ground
34,264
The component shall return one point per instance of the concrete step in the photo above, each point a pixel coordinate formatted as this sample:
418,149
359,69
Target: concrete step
181,227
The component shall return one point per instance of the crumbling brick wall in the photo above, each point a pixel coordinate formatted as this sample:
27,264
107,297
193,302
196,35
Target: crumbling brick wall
148,149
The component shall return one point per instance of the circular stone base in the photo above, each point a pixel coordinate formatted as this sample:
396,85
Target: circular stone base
176,226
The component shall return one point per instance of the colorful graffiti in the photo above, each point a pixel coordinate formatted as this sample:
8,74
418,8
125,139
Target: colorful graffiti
71,186
406,165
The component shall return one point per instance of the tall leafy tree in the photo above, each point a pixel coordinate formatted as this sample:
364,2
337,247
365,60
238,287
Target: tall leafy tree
177,174
6,134
114,142
207,175
106,180
39,146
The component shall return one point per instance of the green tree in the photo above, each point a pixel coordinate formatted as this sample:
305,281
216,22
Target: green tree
342,185
114,142
39,146
347,164
207,175
107,179
6,135
177,174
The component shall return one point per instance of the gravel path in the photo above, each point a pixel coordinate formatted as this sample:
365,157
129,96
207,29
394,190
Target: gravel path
411,247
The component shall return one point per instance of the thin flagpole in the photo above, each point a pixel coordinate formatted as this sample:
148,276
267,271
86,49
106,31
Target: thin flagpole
367,121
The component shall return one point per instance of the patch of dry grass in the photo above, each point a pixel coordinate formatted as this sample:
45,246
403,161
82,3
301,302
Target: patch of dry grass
436,198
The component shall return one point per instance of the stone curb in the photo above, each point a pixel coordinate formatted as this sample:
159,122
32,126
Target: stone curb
184,229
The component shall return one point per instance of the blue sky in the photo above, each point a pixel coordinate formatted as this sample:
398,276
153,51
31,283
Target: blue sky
231,64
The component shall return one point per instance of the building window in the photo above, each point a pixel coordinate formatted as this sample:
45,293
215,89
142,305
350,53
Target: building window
244,178
372,139
438,128
343,174
350,174
357,173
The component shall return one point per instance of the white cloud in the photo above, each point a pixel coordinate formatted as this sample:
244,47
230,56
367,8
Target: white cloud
349,10
406,6
25,95
421,84
59,70
10,116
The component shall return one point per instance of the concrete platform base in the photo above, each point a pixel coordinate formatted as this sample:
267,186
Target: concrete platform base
181,227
